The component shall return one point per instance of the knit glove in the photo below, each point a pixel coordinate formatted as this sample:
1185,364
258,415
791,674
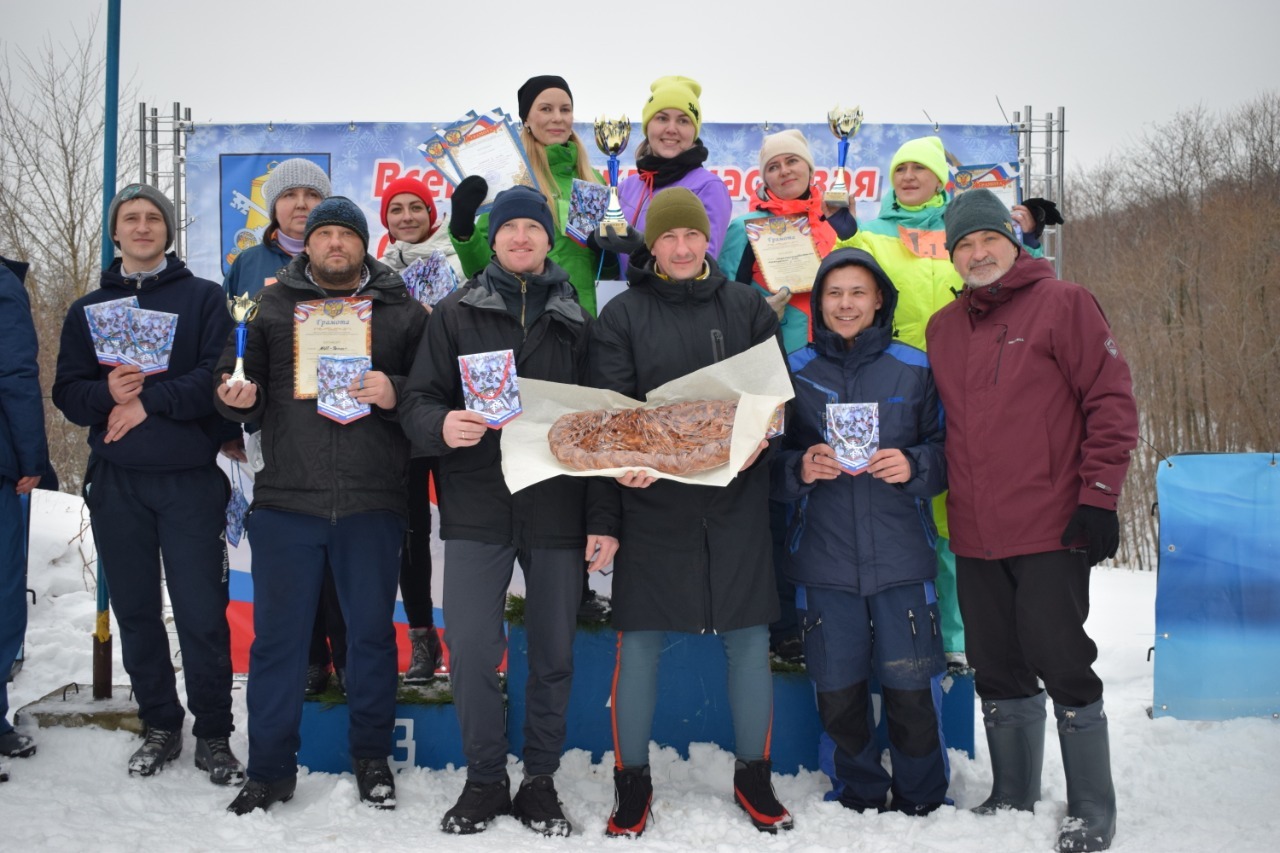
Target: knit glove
623,244
778,301
1101,527
467,198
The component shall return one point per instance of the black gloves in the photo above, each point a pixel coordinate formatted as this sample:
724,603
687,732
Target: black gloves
1101,527
467,198
626,244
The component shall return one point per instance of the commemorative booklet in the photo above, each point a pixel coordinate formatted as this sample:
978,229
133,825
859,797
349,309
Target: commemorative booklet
430,279
109,328
778,423
489,385
853,431
149,339
587,204
334,375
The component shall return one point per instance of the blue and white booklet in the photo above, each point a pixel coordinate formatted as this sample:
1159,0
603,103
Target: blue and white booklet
853,431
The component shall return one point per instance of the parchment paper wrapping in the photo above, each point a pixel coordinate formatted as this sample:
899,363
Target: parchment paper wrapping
757,379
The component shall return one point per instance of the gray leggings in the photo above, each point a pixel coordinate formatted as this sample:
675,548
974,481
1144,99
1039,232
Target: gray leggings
636,692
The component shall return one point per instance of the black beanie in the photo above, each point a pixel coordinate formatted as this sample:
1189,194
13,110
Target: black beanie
520,202
977,210
535,86
338,210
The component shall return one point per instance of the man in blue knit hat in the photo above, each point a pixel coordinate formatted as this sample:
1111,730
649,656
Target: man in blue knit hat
330,493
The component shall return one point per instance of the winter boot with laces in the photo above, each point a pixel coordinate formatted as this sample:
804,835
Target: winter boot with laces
426,656
478,805
753,789
214,756
632,796
377,785
537,806
160,747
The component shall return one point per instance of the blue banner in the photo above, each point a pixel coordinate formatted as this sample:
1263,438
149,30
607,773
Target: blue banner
226,165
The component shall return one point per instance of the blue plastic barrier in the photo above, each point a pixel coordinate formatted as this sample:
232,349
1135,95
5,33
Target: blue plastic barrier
1218,591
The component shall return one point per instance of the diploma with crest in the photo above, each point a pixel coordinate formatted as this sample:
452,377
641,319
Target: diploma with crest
333,327
785,250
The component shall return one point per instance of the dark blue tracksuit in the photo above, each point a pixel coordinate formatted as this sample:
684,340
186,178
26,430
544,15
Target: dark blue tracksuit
860,552
156,493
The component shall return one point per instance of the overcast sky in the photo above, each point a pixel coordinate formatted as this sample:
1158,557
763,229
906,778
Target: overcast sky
1117,66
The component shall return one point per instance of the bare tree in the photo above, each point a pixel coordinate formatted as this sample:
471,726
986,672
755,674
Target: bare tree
51,148
1178,238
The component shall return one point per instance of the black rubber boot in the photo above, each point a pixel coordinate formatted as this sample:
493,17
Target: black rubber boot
1091,797
1015,739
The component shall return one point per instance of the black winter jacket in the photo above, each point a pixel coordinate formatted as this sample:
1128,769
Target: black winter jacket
316,466
691,558
475,503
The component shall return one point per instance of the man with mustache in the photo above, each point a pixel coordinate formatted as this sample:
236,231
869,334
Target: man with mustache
1040,424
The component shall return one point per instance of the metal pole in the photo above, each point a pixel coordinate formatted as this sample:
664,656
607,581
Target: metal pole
142,142
155,148
102,629
177,184
109,127
1062,176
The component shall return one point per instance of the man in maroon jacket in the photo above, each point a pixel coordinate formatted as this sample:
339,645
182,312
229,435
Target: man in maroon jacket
1040,424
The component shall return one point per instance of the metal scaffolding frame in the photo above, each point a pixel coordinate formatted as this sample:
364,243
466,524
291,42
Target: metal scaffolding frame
1042,141
172,181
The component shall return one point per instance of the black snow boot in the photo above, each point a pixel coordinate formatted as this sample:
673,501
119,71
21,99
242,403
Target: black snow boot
14,745
1015,739
753,790
632,796
317,679
1091,797
160,747
424,645
377,785
478,805
538,807
214,756
257,794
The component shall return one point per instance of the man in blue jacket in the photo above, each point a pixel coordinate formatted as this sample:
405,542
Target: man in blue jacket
152,486
24,457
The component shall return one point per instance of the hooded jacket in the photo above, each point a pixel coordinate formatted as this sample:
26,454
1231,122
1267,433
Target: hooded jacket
856,532
316,466
1040,410
582,263
475,503
692,558
182,430
254,267
23,450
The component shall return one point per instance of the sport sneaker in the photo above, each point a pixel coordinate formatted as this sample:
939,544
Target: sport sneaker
160,747
632,796
753,789
537,806
594,608
317,679
426,656
14,745
257,794
479,804
377,785
214,756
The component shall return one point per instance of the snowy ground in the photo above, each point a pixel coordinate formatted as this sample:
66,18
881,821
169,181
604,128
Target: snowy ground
1182,786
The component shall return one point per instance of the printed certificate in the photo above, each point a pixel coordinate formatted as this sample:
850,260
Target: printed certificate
786,252
340,326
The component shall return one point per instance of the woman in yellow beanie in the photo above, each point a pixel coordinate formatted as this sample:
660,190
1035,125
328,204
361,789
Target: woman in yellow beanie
672,155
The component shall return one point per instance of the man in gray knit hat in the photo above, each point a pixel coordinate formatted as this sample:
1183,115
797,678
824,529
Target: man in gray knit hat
292,189
315,513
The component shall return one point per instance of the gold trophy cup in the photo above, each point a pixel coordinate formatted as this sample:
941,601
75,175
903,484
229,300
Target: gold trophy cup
611,138
844,124
243,308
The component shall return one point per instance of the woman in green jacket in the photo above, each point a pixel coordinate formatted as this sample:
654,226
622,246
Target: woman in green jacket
557,156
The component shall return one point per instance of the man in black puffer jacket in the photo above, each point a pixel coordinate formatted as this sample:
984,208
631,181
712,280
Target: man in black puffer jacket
330,492
524,303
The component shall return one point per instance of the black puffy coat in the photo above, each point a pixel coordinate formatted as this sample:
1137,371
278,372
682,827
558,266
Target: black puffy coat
314,465
692,558
475,503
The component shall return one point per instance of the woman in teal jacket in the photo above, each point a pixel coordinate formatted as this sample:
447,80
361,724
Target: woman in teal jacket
557,156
